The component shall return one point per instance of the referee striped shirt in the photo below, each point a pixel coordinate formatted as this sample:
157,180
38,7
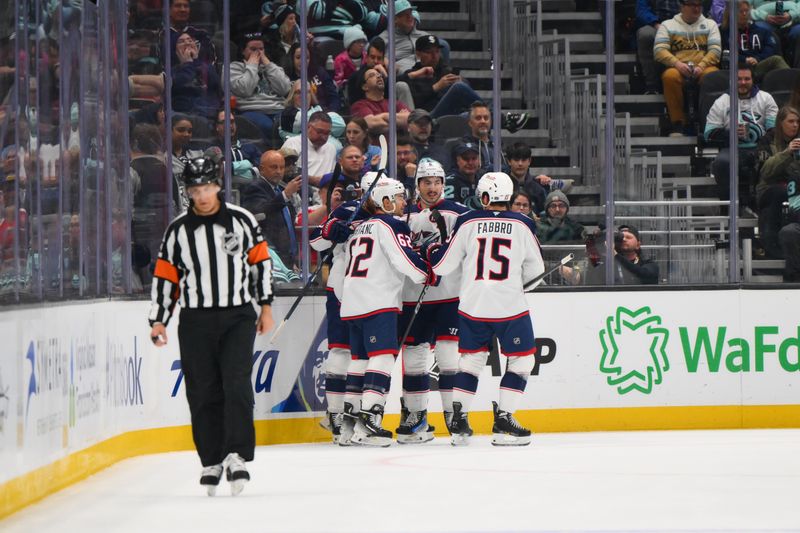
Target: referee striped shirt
213,261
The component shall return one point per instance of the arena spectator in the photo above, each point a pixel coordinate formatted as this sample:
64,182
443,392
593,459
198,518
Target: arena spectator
179,13
462,182
376,58
480,127
182,130
649,15
420,126
269,199
259,85
758,46
435,86
286,32
196,87
326,91
630,266
757,112
405,35
291,118
244,156
783,18
521,203
671,49
331,19
554,225
779,150
352,57
790,233
321,150
406,160
519,161
350,162
357,134
374,107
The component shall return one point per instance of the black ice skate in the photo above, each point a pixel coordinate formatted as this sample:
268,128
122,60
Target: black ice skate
335,423
210,478
236,473
414,428
506,431
348,424
459,427
368,430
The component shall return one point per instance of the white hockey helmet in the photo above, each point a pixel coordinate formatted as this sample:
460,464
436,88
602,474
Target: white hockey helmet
367,179
386,188
497,185
429,168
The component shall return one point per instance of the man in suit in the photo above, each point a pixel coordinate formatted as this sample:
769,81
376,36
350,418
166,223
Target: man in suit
269,199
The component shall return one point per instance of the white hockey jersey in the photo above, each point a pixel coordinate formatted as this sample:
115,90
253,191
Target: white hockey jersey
319,243
377,259
498,253
422,227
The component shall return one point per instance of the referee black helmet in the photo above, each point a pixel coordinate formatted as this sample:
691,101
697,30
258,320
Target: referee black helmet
201,170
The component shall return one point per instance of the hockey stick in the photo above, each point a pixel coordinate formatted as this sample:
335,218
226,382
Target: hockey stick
438,219
316,272
538,280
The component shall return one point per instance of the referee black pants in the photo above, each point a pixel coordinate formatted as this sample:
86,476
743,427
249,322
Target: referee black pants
217,359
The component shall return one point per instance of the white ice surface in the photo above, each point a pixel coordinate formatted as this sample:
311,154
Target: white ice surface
638,481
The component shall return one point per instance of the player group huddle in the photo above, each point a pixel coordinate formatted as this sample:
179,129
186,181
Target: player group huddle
434,278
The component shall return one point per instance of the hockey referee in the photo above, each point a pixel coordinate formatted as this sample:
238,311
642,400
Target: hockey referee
213,258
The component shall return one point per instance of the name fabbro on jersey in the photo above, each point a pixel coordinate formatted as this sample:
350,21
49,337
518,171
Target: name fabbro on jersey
495,227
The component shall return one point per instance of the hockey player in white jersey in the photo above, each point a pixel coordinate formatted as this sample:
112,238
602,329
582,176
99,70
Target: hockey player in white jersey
435,326
498,253
378,257
343,377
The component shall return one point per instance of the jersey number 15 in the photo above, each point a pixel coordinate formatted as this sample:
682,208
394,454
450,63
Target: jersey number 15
495,246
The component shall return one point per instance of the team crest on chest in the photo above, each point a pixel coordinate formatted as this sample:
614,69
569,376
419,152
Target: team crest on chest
231,243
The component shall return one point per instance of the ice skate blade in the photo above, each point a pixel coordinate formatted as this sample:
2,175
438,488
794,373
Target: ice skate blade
237,486
325,424
420,437
458,439
503,439
364,440
211,490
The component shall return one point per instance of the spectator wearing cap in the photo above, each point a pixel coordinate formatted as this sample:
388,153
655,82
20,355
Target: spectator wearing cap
630,266
461,184
352,57
420,128
435,86
554,224
406,34
283,31
179,12
331,19
259,85
374,107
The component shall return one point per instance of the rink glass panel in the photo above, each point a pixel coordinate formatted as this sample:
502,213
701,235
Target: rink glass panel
83,218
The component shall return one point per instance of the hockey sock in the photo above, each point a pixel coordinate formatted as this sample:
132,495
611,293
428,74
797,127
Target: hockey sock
377,379
512,385
447,357
416,382
335,378
355,382
466,381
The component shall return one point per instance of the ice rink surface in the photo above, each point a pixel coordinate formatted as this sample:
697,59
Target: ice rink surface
633,481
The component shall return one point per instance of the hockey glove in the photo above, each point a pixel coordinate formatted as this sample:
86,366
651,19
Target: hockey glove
433,279
336,231
427,249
